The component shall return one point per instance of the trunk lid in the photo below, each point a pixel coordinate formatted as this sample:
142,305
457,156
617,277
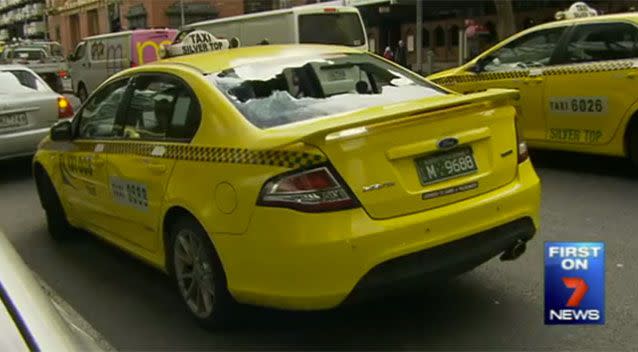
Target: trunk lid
26,111
376,150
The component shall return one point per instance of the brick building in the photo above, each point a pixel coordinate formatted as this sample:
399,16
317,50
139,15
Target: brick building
71,20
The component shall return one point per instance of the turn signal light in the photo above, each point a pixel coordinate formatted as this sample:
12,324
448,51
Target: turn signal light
65,110
314,190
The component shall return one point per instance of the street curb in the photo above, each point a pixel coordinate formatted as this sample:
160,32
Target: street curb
73,317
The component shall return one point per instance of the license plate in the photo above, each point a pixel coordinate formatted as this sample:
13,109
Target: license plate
13,120
446,165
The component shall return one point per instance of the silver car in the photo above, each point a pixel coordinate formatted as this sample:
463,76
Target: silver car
28,108
29,319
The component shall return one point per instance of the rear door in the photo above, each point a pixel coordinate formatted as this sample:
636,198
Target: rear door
84,167
587,96
160,113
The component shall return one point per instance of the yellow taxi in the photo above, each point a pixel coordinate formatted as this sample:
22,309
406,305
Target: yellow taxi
577,80
297,177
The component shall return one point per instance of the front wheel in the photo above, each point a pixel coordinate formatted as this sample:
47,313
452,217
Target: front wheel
633,145
199,275
59,227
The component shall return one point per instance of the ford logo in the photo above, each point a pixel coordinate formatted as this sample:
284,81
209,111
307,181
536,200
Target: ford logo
447,143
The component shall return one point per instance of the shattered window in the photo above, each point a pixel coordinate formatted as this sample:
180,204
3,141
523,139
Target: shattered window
282,91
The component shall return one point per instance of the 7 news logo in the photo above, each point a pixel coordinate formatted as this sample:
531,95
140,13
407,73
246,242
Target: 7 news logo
574,283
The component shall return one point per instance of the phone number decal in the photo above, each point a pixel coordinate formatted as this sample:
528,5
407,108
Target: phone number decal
578,105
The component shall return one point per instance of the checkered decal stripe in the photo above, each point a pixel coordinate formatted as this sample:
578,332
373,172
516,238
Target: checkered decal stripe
549,71
488,76
590,67
282,158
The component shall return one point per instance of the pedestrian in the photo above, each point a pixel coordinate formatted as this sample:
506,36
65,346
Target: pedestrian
402,54
388,53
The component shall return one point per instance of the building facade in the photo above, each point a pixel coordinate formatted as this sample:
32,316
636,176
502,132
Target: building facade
22,19
388,22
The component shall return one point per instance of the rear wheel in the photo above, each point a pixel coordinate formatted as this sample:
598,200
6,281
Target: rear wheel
59,227
199,275
82,93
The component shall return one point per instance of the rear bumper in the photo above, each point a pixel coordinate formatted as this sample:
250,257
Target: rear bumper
293,260
438,263
21,143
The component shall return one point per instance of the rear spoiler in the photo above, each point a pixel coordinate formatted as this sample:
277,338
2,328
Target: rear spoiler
277,137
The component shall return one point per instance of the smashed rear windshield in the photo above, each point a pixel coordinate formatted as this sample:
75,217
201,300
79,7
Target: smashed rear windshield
283,91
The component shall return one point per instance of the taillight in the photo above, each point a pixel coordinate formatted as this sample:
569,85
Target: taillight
521,146
65,109
314,190
133,64
63,74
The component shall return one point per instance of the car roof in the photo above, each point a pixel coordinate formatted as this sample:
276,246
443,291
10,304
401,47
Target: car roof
220,60
14,67
628,16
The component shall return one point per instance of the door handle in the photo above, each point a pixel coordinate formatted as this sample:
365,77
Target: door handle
533,80
99,162
156,168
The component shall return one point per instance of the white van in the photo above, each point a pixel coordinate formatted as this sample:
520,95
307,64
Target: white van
339,25
98,57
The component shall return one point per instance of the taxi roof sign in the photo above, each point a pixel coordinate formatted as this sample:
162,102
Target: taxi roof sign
577,10
198,41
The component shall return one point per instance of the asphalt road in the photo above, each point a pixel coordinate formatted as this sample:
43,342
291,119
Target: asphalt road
497,306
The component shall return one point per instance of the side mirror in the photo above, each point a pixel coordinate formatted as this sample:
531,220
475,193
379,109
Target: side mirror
62,131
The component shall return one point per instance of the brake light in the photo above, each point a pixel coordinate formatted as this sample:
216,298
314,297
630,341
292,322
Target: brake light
314,190
63,74
65,110
521,146
133,64
329,9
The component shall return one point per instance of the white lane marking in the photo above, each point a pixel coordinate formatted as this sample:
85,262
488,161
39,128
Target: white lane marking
73,317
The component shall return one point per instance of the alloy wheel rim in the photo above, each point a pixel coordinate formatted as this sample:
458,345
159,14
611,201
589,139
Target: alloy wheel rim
194,273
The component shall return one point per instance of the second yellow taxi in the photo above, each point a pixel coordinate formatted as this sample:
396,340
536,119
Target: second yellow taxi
577,80
296,177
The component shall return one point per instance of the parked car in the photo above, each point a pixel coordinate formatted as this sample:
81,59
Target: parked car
290,176
98,57
29,319
44,58
28,108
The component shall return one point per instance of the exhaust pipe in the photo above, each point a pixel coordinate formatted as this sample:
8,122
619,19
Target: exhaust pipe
515,251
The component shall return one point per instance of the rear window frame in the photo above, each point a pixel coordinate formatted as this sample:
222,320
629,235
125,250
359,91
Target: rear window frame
211,78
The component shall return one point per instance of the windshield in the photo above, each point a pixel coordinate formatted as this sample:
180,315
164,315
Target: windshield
333,28
283,91
29,54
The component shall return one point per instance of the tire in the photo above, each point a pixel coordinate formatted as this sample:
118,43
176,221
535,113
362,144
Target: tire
633,145
82,94
59,227
202,283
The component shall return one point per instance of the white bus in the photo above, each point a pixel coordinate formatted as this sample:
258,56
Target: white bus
311,24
